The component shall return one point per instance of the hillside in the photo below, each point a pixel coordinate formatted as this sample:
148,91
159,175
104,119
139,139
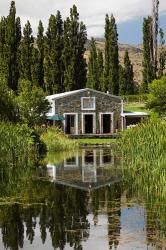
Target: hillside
135,53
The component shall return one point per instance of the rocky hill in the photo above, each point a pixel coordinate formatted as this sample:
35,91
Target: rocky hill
135,53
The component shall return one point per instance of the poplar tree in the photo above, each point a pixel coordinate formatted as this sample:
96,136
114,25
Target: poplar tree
40,56
100,66
107,54
162,54
53,65
75,37
111,56
3,47
129,75
35,67
148,71
10,47
92,76
25,53
122,80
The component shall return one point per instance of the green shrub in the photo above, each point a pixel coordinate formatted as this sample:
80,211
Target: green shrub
16,144
55,140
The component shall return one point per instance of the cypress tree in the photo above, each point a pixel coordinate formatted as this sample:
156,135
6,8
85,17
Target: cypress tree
25,53
92,76
13,37
40,56
3,47
18,36
162,54
129,75
35,67
122,80
100,66
75,37
107,54
148,70
53,66
111,56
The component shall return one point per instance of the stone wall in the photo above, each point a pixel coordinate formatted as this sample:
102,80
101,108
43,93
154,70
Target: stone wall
104,103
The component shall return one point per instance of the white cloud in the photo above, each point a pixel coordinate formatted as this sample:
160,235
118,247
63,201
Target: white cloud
92,12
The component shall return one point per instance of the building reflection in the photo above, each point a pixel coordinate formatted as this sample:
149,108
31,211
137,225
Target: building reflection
91,169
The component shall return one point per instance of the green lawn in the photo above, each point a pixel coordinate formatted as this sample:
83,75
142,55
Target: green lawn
136,107
96,141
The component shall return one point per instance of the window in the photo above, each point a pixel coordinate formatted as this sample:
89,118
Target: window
88,103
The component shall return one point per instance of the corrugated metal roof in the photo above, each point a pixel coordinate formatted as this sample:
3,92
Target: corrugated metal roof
61,95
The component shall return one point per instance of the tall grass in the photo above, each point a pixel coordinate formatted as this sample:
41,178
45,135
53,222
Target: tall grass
16,144
144,157
55,140
146,142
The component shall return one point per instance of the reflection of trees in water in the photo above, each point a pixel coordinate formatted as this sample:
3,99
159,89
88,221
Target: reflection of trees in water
63,213
108,200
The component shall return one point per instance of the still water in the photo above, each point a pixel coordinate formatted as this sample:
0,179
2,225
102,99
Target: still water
82,200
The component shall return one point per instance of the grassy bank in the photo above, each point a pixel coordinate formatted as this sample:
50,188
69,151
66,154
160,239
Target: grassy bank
55,140
96,141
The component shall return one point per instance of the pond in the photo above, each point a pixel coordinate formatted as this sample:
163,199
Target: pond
81,200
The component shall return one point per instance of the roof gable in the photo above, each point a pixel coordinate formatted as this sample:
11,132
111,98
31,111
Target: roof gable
65,94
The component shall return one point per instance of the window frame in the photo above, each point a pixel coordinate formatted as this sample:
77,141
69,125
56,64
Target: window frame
94,103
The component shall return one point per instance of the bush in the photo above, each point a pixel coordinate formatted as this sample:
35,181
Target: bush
55,140
16,145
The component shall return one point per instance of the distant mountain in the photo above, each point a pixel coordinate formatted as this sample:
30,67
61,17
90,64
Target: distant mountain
135,53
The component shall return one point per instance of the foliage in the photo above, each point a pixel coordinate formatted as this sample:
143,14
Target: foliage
40,45
146,142
32,104
135,98
16,145
75,37
10,36
55,140
8,106
111,68
144,158
148,72
96,141
25,53
162,55
157,95
95,68
126,77
53,63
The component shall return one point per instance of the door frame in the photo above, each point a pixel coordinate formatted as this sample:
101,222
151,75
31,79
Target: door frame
75,123
83,122
112,121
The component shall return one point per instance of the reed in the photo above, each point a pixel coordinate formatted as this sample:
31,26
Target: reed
55,140
144,157
146,141
16,144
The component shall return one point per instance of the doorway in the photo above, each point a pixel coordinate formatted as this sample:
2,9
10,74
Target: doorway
70,124
88,123
106,124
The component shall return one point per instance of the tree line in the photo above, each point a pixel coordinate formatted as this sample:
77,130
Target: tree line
54,60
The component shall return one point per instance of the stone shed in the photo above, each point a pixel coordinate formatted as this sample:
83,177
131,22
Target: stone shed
87,111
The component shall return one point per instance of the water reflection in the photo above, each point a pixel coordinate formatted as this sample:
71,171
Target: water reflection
115,213
87,170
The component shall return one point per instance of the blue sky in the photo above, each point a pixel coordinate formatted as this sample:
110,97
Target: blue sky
128,13
130,32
